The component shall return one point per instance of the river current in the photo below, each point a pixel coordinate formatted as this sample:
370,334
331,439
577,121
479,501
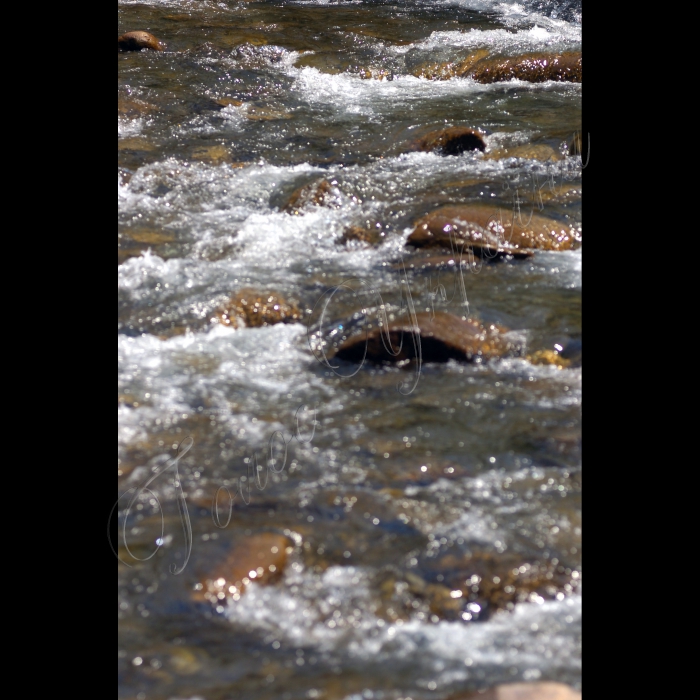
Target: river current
432,513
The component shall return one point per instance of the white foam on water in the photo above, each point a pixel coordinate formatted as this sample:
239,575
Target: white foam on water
352,94
560,37
164,374
220,206
180,4
511,10
129,127
539,637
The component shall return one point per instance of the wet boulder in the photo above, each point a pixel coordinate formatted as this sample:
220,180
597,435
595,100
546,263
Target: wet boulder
445,71
319,193
491,230
436,338
255,309
534,68
259,558
522,691
136,41
452,141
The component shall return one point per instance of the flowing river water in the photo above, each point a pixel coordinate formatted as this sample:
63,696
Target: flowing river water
429,516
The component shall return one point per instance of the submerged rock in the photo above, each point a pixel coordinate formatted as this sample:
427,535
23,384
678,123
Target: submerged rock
212,154
136,41
404,595
229,102
135,143
491,230
522,691
538,151
261,558
445,71
548,357
375,74
439,338
319,193
492,581
370,236
534,68
255,309
466,258
131,107
255,113
452,141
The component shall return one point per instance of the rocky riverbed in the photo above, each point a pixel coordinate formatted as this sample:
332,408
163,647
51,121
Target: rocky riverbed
349,332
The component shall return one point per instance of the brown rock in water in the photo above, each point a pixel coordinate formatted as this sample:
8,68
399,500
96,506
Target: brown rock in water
491,230
319,193
130,107
229,102
255,113
212,154
522,691
260,558
135,143
135,41
445,71
548,357
535,68
538,151
442,338
375,74
452,141
500,581
371,236
255,309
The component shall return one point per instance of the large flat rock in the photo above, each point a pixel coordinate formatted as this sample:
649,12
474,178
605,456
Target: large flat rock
437,338
491,229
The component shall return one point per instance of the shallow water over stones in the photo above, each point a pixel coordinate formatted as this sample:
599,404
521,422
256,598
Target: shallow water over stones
422,520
